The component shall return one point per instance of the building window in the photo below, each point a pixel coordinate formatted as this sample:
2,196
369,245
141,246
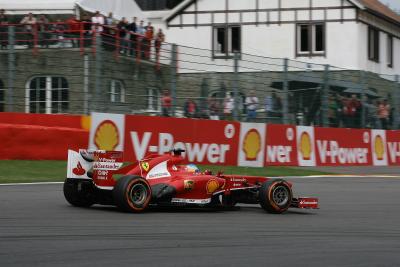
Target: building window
373,44
2,97
117,92
311,39
227,41
153,100
390,51
47,94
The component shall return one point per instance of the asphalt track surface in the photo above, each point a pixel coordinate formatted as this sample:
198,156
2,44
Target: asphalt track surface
358,225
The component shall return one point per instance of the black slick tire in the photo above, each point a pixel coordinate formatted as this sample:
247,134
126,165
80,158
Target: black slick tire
275,196
132,194
78,193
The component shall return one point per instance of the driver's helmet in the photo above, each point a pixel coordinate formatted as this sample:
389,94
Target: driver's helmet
192,168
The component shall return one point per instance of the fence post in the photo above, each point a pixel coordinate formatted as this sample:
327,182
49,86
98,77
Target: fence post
285,110
363,87
173,72
11,68
396,119
86,84
236,87
98,69
324,98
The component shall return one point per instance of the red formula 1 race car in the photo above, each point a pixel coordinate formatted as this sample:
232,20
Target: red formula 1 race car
164,180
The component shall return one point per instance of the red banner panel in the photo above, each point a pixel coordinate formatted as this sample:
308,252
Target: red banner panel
205,141
393,147
281,146
39,142
343,147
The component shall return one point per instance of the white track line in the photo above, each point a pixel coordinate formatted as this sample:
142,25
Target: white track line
38,183
282,177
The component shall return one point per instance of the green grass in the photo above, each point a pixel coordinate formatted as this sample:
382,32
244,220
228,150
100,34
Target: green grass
26,171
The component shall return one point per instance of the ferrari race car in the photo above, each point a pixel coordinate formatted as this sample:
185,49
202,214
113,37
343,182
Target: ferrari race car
164,181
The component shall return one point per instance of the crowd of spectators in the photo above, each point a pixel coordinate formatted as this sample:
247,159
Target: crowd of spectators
129,36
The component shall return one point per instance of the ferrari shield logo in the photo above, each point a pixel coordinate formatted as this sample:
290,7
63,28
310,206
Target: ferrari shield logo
145,165
188,184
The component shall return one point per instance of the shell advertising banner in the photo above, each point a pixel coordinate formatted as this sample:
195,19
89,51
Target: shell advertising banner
204,141
393,147
281,148
342,146
243,144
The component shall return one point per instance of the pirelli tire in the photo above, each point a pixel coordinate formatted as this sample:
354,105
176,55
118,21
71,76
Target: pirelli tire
275,196
78,193
132,194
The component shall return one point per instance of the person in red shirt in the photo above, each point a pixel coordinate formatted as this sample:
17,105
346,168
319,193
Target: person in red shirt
190,109
383,113
166,104
350,108
74,30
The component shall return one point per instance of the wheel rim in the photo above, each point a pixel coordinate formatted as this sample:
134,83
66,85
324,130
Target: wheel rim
138,194
280,195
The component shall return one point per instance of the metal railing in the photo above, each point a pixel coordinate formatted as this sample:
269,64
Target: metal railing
166,79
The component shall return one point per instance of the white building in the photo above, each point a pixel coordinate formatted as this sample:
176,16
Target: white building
354,34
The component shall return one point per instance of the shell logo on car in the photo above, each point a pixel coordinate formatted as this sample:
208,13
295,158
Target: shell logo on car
305,146
252,144
379,147
106,136
212,186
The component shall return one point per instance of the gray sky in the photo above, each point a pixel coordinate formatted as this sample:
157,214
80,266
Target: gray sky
393,3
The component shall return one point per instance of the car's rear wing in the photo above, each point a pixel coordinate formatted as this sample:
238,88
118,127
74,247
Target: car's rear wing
98,165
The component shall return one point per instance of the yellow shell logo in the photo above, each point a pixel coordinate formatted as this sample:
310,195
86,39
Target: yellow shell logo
252,144
106,136
379,148
305,146
212,186
145,165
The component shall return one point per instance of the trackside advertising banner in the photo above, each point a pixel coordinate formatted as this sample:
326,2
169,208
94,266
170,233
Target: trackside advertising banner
244,144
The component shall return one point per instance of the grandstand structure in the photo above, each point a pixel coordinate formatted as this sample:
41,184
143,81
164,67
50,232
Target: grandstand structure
303,50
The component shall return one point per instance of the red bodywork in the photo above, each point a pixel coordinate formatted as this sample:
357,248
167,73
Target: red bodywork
192,187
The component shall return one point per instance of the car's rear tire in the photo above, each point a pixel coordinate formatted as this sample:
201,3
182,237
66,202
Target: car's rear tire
78,193
132,194
275,196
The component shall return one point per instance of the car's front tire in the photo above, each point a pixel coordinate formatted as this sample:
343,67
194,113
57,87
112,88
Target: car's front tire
132,194
275,196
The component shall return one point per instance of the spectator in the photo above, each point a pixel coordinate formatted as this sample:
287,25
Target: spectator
74,26
43,31
98,21
251,103
383,113
3,29
350,106
160,38
124,35
139,38
229,104
371,115
190,109
109,20
149,35
332,111
87,27
60,29
268,105
29,21
133,30
213,107
166,104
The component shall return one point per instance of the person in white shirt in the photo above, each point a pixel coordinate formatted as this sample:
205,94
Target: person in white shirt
251,106
229,104
98,22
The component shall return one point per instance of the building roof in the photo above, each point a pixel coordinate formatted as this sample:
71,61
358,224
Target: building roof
374,6
378,8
